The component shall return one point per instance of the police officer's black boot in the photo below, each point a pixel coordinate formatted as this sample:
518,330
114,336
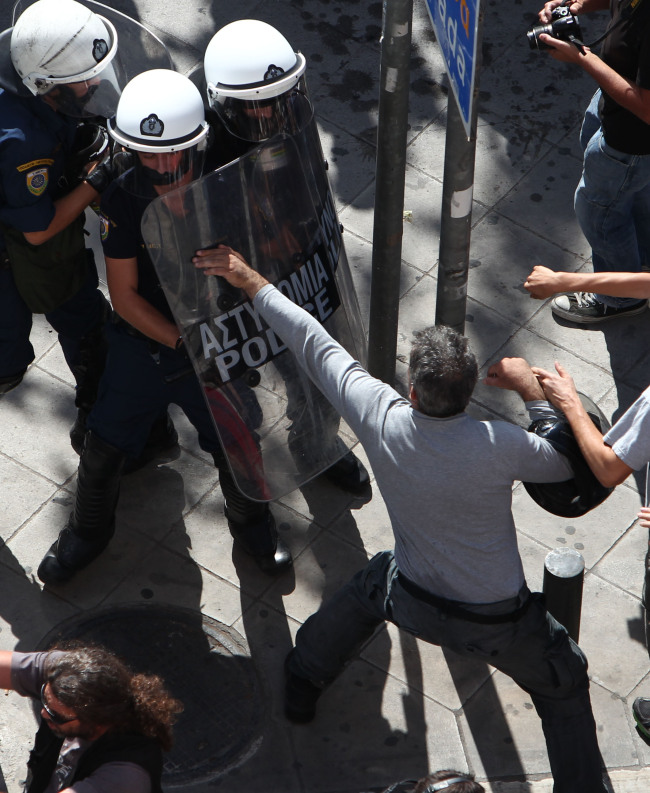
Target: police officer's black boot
87,372
253,528
92,523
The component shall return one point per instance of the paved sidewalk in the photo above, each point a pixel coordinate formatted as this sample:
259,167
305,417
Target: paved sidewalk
403,707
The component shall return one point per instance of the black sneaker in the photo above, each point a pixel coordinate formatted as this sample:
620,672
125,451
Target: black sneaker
641,713
584,309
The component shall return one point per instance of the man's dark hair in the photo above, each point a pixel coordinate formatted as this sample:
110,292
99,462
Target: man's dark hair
443,371
468,785
102,690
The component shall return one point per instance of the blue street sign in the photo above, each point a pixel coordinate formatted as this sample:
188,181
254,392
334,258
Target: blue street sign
456,23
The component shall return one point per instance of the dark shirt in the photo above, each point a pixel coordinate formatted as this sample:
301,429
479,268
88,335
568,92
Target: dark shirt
627,50
121,215
34,144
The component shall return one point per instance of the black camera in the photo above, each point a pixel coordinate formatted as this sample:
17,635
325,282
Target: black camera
564,26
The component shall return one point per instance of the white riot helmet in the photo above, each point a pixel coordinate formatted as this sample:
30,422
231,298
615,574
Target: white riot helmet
63,50
255,80
161,118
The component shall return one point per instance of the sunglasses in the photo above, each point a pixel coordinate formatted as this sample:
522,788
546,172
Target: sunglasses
55,718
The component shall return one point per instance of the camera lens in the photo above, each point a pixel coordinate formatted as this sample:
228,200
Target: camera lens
533,36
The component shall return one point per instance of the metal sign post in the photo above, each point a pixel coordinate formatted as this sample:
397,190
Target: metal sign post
458,26
389,194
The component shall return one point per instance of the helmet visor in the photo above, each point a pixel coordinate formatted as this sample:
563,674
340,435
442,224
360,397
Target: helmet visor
148,175
256,120
94,97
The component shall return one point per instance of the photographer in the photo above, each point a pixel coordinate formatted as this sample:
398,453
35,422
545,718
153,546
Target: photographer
612,200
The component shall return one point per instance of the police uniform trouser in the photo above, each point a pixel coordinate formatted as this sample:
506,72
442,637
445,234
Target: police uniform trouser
73,320
140,380
535,651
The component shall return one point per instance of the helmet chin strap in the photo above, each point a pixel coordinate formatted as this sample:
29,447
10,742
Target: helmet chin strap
156,177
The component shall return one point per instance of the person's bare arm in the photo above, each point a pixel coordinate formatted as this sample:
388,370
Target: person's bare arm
122,278
579,7
5,669
624,92
66,210
543,282
560,389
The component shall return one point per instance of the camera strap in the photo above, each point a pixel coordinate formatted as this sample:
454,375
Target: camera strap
628,9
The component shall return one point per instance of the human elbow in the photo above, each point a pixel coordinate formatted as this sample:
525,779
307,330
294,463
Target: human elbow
36,238
611,478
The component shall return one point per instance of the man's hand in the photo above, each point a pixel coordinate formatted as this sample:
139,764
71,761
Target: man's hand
516,375
559,388
545,14
543,282
563,51
227,263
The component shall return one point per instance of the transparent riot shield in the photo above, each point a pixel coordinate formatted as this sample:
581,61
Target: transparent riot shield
276,428
138,50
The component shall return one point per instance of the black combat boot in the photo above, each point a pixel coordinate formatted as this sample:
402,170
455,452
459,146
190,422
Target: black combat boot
93,349
92,523
252,526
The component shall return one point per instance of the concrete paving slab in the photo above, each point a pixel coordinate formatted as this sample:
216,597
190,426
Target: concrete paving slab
440,675
502,254
505,152
46,405
542,201
623,564
502,732
610,621
421,237
370,731
164,576
592,535
27,493
404,707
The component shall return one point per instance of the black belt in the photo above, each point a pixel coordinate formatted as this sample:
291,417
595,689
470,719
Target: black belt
454,608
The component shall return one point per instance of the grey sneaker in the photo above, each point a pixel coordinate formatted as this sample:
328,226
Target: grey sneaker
584,309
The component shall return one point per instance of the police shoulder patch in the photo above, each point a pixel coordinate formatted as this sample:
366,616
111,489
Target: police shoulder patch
104,226
37,180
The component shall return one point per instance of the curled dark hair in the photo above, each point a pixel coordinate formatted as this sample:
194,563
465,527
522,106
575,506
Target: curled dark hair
443,371
468,785
102,690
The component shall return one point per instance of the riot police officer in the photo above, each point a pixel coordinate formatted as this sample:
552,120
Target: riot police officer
57,58
160,121
255,85
60,73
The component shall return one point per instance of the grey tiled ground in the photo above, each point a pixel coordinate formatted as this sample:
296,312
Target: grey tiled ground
402,707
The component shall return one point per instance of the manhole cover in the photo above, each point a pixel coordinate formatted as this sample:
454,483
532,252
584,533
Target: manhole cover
204,664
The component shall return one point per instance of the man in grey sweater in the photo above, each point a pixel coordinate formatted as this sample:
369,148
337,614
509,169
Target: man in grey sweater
455,577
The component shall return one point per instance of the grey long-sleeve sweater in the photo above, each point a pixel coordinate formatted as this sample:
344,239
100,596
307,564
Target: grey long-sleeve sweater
447,483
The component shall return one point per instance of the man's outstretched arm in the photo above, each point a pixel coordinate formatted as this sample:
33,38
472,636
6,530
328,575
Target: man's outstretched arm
544,282
560,389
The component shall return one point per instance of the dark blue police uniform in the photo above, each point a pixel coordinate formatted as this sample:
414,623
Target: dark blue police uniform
35,143
141,378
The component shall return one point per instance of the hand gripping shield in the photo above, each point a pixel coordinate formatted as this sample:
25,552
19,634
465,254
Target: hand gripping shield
277,430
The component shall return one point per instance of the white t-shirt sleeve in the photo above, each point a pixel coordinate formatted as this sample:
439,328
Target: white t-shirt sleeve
630,436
